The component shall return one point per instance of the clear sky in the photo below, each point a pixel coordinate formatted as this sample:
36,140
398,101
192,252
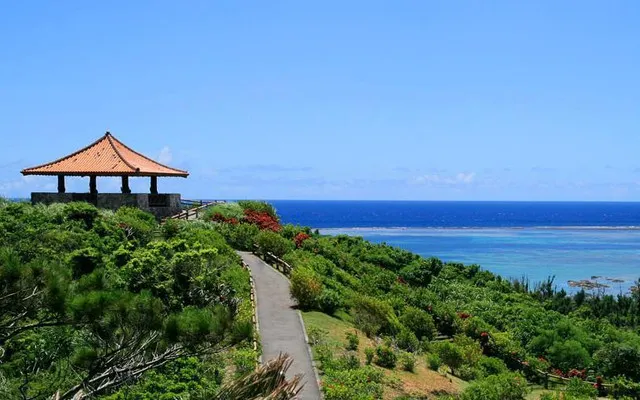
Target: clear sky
424,100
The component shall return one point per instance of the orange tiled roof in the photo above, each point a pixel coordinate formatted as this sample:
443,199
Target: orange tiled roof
106,156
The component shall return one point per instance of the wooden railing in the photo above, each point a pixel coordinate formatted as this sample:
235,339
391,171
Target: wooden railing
196,207
273,260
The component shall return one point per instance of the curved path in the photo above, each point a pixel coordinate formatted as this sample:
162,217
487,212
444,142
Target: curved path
281,329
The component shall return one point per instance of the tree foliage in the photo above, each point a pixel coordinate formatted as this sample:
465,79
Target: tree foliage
90,301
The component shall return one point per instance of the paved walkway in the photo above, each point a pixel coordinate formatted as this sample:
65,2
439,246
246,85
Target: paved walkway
280,328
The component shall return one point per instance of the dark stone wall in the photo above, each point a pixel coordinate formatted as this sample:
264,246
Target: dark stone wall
160,205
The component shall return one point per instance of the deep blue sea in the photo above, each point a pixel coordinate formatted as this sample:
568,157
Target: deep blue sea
568,240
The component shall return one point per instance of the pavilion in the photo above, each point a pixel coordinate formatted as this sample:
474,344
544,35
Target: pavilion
108,156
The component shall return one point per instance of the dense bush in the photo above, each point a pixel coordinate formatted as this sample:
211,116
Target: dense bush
615,359
369,354
506,386
386,357
305,288
406,340
450,354
244,361
137,224
373,315
271,242
352,341
408,361
421,271
329,301
241,236
434,362
491,366
86,291
419,322
357,384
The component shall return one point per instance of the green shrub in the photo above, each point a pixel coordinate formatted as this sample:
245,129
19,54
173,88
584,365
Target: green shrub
357,384
369,354
578,389
290,231
419,322
241,236
329,301
81,211
137,224
471,350
227,210
434,362
84,261
352,341
372,315
244,361
468,373
617,359
305,288
386,357
348,360
450,354
325,354
171,228
408,361
508,386
407,340
271,242
491,366
569,354
421,271
624,388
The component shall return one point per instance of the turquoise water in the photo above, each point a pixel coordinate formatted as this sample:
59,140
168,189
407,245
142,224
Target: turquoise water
534,253
568,240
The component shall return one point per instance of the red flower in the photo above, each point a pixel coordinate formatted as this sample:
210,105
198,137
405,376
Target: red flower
262,220
217,217
300,238
464,315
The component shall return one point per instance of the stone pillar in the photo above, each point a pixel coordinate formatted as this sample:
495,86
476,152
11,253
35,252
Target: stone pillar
93,188
154,185
125,185
61,188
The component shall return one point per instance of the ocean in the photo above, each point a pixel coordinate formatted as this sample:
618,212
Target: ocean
534,240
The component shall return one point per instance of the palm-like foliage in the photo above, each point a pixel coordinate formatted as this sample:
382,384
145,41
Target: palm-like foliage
268,382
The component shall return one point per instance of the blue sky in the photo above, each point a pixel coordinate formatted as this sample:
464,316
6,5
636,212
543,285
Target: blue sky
424,100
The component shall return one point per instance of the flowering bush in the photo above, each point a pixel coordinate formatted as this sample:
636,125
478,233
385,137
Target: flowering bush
217,217
262,220
575,373
300,238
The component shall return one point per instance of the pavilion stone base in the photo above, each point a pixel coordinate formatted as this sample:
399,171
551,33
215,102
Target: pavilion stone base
160,205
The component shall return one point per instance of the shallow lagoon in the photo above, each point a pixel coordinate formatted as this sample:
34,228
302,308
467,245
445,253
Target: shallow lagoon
535,253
